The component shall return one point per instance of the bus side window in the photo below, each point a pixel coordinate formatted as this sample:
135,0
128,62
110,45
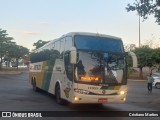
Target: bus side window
52,45
57,45
62,44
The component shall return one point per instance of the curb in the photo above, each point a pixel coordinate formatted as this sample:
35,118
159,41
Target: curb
137,80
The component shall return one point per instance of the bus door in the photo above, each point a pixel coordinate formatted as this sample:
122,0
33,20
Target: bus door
57,75
68,76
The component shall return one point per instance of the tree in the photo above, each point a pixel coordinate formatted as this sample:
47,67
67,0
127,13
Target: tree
156,56
39,43
145,8
147,57
9,49
4,41
17,51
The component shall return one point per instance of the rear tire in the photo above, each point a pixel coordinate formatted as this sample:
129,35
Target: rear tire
157,85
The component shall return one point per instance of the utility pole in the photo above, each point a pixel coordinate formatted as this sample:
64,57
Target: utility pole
139,32
139,15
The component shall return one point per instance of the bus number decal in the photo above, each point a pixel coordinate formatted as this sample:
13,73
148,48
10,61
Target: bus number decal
37,67
93,88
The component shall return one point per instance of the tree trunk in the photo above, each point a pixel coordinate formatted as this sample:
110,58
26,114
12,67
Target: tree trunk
17,63
1,62
140,73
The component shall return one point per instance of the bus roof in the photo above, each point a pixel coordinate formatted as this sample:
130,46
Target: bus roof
91,34
72,34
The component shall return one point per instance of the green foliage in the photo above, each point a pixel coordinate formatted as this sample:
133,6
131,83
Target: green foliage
9,49
4,41
39,43
156,55
144,55
16,51
145,8
129,61
147,57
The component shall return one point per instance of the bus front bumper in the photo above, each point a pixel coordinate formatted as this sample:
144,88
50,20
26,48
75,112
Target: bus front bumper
82,98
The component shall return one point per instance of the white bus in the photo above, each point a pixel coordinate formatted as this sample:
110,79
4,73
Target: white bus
81,67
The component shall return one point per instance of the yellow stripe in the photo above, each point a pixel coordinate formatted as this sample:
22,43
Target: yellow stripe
116,87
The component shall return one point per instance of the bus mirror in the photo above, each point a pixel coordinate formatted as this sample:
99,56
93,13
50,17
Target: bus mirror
126,53
73,55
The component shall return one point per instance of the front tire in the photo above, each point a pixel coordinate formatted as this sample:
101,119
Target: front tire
59,100
157,85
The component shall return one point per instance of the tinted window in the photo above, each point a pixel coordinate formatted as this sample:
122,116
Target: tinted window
62,41
98,43
156,75
57,45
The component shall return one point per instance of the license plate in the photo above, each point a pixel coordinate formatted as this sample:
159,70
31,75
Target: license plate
102,100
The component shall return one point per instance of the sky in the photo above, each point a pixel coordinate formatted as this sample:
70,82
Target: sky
28,21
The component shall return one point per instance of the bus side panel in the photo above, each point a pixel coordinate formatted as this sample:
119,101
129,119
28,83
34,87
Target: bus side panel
37,73
57,75
47,75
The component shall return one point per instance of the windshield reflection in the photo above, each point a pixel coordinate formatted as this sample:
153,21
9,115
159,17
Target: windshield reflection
100,67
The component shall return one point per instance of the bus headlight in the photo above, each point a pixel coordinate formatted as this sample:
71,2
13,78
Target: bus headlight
122,92
76,98
81,91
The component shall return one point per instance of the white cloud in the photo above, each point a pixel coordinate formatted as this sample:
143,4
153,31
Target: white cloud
30,33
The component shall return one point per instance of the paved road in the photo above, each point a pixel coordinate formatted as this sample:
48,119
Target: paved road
138,95
16,94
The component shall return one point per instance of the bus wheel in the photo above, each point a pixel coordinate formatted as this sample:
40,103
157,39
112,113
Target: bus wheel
34,85
58,95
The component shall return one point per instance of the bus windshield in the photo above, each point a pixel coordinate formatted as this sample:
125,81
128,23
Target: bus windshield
98,43
100,60
100,67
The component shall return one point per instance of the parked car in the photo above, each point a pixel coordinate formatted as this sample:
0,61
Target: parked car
156,77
